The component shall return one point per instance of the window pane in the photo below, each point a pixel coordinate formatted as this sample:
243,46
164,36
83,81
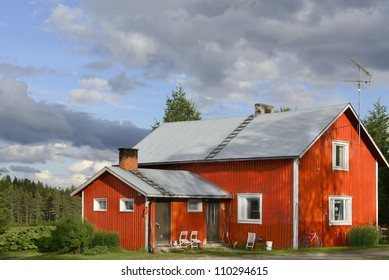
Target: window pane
253,208
128,204
339,156
339,210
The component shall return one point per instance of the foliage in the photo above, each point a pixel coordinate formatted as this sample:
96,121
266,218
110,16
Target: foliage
97,250
179,108
377,124
27,239
5,214
24,202
364,235
72,235
109,239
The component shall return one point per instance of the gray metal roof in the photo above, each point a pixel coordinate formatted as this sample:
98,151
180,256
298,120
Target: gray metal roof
287,134
162,183
185,141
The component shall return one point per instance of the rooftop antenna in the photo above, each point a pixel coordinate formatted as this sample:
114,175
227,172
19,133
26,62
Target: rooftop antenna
359,81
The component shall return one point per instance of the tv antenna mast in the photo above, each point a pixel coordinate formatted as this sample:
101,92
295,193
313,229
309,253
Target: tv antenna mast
360,81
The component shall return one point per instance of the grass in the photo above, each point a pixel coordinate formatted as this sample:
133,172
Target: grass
182,254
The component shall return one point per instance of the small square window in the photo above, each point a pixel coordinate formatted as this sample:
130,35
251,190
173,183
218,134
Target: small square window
126,205
250,208
340,208
100,204
340,155
195,205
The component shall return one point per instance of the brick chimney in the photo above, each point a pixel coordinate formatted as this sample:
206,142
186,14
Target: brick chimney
261,109
128,158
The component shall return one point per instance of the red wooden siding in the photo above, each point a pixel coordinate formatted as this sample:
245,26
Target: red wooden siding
317,181
130,225
274,179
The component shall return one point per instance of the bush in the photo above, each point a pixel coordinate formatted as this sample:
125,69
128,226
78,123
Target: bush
72,235
97,250
29,239
364,235
107,239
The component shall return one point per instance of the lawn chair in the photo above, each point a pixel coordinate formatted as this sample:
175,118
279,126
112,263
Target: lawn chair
183,240
194,241
250,240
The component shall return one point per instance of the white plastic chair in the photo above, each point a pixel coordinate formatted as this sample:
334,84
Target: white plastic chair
250,240
194,241
183,240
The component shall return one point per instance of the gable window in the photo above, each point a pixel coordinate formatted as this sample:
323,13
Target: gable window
340,156
250,208
195,205
340,209
126,205
100,204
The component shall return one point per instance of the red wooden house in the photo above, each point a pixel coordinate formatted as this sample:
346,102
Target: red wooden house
275,174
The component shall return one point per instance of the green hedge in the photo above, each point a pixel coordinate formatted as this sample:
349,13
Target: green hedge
364,235
110,239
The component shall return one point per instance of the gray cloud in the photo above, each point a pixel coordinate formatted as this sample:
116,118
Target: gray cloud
25,121
121,84
24,169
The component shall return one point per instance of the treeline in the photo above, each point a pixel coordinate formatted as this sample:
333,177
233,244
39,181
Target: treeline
24,202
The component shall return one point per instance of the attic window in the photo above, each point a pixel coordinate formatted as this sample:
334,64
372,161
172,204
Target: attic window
100,204
250,208
340,155
126,205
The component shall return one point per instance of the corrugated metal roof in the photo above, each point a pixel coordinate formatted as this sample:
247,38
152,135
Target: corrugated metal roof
162,183
286,134
185,141
183,184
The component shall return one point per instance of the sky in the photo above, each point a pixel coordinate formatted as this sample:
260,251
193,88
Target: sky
79,79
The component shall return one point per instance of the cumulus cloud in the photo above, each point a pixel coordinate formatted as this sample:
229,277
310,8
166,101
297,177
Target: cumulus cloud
234,50
24,169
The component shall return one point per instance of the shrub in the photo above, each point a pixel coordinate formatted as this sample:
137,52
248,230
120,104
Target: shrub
97,250
72,235
29,239
364,235
109,239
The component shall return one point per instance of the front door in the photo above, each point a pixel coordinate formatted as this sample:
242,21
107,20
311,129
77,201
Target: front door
162,222
213,226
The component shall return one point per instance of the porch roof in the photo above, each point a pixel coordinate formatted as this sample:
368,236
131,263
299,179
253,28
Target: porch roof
162,183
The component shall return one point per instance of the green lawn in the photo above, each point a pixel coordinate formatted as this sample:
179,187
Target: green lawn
182,254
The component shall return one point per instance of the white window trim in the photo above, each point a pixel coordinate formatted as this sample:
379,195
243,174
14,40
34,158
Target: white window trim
344,144
96,204
122,205
348,214
242,208
199,205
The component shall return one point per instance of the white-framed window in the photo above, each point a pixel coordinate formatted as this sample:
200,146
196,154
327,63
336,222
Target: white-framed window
195,205
126,205
340,209
100,204
250,208
340,155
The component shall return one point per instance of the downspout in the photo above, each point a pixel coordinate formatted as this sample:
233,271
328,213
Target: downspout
147,225
295,202
376,191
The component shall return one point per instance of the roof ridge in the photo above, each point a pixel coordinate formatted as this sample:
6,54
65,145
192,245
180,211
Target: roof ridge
231,136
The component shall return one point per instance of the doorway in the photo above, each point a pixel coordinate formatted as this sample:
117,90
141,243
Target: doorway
213,224
162,222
